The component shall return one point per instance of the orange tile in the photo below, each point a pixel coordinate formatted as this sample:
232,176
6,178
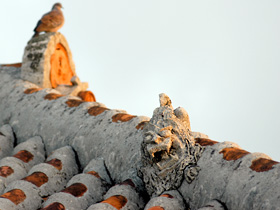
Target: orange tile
54,206
6,171
52,96
122,117
16,196
167,196
96,110
77,189
56,163
17,65
24,156
205,141
74,102
32,90
128,182
262,164
37,178
87,96
156,208
94,174
117,201
233,153
141,125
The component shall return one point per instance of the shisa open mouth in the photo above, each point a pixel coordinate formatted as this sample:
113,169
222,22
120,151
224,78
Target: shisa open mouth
164,154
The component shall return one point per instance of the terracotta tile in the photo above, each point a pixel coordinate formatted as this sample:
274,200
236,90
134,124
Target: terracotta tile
74,102
37,178
56,163
233,153
52,96
54,206
262,164
97,110
87,96
94,174
205,142
32,90
16,196
122,117
24,156
167,196
156,208
117,201
128,182
77,189
17,65
141,125
6,171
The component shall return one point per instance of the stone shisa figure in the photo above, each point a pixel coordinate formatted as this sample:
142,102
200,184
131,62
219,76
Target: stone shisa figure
169,152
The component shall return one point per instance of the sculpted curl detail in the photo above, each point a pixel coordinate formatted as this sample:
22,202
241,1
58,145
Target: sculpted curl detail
169,152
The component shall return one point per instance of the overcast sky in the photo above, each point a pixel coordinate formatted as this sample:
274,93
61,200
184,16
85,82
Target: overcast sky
220,60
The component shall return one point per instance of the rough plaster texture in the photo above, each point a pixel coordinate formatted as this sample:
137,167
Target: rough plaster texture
103,206
6,141
59,125
68,201
32,200
169,200
95,189
36,147
129,193
232,182
213,205
57,178
98,166
7,204
20,168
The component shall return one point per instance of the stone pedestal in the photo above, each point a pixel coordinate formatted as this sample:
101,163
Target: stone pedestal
47,62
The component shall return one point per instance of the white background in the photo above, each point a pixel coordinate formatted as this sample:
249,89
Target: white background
217,59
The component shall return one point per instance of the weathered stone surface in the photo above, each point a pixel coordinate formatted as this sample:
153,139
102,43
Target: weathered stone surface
7,204
56,178
67,200
214,205
35,147
18,167
134,201
6,141
31,199
239,179
114,205
98,166
169,151
81,191
169,200
91,136
232,181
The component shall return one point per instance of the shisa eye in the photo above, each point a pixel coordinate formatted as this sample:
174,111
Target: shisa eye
148,137
172,131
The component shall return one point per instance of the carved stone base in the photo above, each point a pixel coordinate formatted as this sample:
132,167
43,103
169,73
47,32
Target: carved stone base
47,61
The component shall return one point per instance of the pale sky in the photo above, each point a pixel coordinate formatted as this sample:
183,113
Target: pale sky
217,59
